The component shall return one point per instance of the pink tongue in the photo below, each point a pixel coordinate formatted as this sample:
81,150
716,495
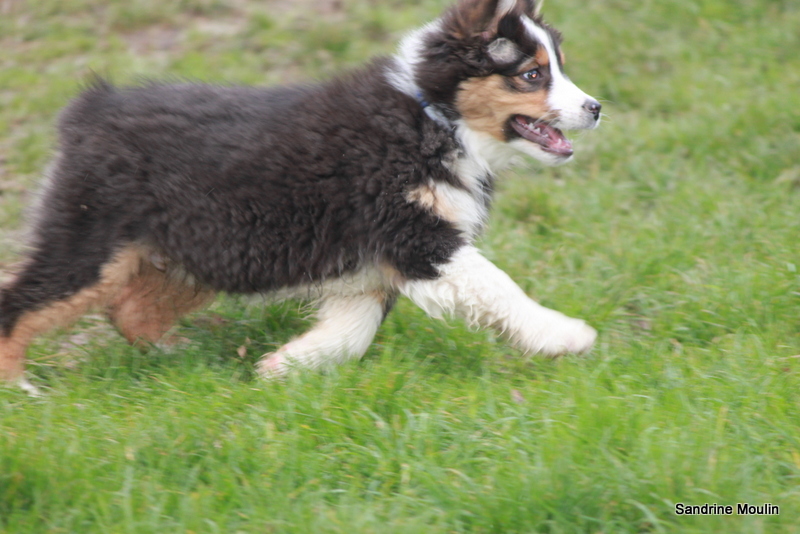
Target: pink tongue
559,143
545,135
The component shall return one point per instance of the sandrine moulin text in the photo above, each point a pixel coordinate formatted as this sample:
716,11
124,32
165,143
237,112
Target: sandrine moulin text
741,508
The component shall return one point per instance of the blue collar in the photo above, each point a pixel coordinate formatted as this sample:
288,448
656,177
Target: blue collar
433,111
421,99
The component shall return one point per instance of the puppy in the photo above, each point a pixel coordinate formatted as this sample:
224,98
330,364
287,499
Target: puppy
351,192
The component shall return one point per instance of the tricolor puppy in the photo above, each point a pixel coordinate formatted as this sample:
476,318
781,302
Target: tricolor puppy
350,192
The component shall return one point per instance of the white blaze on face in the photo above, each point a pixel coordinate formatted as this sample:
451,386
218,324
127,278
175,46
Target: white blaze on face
565,98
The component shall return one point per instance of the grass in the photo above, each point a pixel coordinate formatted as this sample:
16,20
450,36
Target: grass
674,232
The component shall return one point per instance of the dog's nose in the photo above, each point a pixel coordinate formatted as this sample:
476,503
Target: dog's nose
593,107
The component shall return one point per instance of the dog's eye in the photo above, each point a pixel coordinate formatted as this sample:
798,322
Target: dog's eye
531,75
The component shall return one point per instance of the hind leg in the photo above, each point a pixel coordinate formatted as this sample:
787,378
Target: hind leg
345,328
12,368
147,307
44,296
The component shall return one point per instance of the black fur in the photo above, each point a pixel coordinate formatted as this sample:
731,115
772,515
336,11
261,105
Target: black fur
248,189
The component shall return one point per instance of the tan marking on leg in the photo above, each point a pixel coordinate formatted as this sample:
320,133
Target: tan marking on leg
113,277
392,277
12,354
487,103
147,307
422,195
427,197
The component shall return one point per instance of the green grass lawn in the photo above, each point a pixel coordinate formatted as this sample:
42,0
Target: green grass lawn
674,232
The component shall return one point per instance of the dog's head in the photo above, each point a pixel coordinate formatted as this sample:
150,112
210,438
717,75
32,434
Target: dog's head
498,68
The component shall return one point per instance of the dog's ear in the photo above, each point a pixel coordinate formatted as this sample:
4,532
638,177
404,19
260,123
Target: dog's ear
507,34
473,18
532,8
474,38
486,19
503,51
470,18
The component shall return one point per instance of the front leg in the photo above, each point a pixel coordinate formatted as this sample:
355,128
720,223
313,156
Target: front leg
472,287
344,330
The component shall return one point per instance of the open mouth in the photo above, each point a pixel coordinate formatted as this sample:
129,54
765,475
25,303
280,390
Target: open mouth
550,138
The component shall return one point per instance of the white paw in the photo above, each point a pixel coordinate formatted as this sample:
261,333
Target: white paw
568,336
273,365
29,388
